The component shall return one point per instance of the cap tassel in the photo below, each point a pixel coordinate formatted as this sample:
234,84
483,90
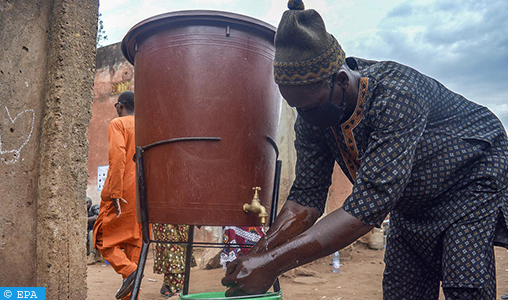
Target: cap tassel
296,5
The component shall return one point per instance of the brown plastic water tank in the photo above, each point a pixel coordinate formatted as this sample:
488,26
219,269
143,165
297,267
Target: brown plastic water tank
201,75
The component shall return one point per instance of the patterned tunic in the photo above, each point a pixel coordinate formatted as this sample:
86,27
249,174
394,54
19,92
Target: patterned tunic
435,161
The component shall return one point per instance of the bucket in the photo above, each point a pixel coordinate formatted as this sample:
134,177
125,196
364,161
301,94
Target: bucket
222,296
204,80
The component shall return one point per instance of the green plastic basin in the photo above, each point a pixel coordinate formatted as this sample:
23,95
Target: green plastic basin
222,296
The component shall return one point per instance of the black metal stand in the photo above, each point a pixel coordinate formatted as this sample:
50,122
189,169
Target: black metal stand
143,204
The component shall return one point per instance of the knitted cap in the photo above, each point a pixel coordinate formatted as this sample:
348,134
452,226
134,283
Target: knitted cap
304,51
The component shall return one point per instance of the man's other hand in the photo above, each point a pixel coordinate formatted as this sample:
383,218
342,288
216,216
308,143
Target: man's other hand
116,204
248,275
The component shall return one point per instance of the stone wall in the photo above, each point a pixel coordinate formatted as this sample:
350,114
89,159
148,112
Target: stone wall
47,64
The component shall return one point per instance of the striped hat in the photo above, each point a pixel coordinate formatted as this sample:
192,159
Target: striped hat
304,51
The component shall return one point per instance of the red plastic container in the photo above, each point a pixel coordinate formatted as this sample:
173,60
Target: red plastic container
205,74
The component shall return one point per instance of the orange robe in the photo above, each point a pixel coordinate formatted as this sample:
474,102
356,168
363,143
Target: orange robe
112,233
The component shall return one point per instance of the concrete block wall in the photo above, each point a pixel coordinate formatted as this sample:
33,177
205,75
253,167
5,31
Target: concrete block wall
47,64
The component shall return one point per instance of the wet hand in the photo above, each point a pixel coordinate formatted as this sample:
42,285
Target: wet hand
116,204
260,247
248,275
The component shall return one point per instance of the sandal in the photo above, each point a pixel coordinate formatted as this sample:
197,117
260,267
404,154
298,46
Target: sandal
173,294
166,292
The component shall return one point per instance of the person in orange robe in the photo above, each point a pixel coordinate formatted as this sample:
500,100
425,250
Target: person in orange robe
117,234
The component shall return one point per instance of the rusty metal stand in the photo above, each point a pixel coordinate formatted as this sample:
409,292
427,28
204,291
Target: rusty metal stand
143,204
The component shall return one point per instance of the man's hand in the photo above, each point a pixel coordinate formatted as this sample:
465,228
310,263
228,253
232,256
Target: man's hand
249,275
116,204
292,220
261,246
291,243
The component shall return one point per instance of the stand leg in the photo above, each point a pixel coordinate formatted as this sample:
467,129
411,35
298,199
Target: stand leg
145,227
139,272
188,260
275,204
275,195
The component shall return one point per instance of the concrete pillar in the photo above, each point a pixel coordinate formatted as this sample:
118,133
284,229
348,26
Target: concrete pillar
23,57
47,62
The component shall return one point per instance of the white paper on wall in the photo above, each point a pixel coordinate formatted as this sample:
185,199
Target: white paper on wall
102,172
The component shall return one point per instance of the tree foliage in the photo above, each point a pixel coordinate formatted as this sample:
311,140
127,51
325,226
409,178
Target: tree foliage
101,33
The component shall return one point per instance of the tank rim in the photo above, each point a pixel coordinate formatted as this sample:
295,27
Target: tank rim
130,39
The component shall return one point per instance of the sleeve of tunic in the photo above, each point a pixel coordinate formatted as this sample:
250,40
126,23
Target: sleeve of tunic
397,120
117,158
314,167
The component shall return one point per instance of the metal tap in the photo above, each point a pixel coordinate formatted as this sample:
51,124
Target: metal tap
256,207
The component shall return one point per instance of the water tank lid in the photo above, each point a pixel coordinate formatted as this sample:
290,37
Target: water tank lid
191,16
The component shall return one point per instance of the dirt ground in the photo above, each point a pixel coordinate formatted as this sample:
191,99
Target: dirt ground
359,278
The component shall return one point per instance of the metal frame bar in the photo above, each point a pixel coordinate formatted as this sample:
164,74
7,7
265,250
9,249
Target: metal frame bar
143,204
203,245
